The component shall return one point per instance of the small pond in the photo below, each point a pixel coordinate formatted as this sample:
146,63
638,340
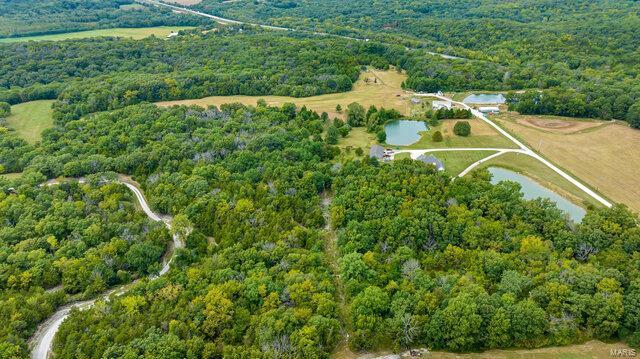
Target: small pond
532,189
404,132
485,98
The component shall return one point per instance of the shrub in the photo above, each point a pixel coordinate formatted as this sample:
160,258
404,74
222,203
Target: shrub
462,128
437,136
382,136
359,152
5,109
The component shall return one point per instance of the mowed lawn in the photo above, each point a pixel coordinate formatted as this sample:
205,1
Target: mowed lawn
606,155
374,87
29,119
542,174
482,136
134,33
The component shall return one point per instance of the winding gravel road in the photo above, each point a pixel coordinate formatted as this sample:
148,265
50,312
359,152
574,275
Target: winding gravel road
42,340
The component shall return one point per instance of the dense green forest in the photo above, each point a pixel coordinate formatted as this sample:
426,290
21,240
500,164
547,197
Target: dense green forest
82,238
581,47
423,261
418,252
421,253
38,17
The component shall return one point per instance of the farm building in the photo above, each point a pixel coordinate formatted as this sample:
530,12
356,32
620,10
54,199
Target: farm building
489,109
436,105
429,159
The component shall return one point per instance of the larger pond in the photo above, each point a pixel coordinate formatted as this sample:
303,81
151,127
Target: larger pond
485,98
532,190
404,132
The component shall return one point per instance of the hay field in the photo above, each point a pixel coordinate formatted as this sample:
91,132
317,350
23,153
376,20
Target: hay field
374,87
605,156
134,33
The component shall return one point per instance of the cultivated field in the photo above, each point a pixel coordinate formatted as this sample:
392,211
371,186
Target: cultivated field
482,136
375,87
605,155
134,33
542,174
29,119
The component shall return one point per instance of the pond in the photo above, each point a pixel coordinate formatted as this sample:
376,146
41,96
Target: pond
532,189
404,132
485,98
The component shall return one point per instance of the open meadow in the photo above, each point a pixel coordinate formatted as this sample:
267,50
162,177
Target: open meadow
604,154
29,119
134,33
374,87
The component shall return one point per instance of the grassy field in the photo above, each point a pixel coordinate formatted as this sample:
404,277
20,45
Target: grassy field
134,33
454,161
542,174
593,349
374,87
457,161
29,119
603,154
482,136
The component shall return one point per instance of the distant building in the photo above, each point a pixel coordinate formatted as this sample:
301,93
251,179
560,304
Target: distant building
431,160
172,34
489,109
416,101
436,105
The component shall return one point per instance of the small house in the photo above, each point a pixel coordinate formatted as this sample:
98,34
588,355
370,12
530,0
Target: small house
489,109
431,160
437,105
172,34
377,151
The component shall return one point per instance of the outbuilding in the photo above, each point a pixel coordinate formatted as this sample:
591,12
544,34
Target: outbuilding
437,105
489,109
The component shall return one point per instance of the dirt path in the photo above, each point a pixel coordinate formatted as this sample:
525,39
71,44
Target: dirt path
333,255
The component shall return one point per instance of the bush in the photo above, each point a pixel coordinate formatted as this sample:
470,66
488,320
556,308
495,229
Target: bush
382,136
359,151
5,109
437,136
332,135
462,128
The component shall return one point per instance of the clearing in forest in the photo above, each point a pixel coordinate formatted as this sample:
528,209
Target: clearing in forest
29,119
133,33
374,87
604,154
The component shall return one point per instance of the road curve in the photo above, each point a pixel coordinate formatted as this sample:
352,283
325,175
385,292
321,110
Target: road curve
525,150
42,339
